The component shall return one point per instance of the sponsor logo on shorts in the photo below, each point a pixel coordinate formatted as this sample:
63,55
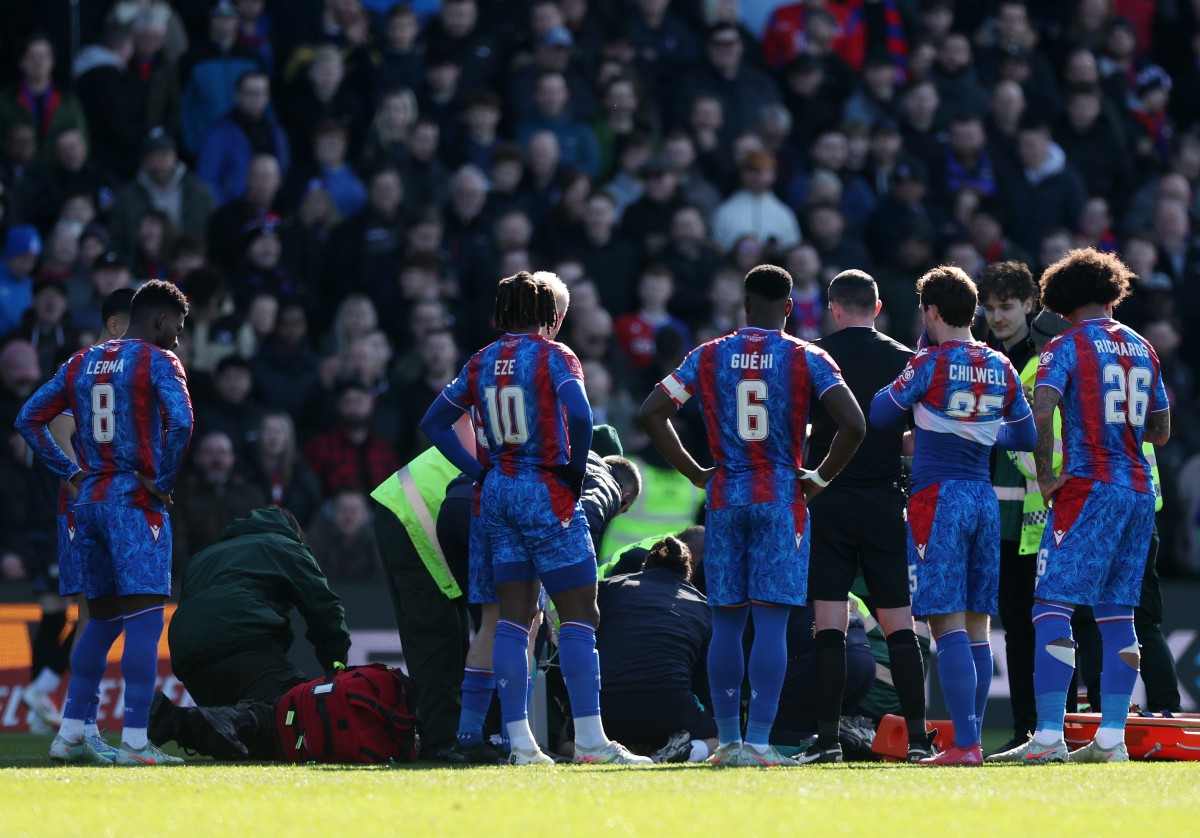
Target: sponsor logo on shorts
154,531
921,551
1058,536
799,539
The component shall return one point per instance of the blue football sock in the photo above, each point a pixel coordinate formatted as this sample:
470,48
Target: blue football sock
727,669
1117,677
478,686
768,663
88,663
1053,664
580,667
139,663
509,656
981,652
956,670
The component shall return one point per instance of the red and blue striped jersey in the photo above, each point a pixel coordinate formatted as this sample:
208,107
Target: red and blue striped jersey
511,388
755,388
1110,380
132,414
960,392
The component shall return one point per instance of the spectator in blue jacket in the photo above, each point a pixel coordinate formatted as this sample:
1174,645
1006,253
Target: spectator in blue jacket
210,72
248,129
22,248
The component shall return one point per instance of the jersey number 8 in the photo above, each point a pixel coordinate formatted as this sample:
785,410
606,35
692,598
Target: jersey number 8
102,412
1127,401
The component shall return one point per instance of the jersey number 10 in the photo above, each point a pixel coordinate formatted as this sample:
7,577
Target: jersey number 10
1130,398
506,415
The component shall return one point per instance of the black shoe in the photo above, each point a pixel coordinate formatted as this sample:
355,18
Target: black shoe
163,724
677,749
916,753
1017,741
816,753
482,754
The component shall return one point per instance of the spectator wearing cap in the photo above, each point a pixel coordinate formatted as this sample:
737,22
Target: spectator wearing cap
552,112
876,98
1046,192
906,203
22,248
74,171
1094,147
351,454
261,269
163,182
249,129
36,99
551,51
742,90
109,272
1154,131
46,324
154,65
209,73
262,182
648,219
754,209
110,100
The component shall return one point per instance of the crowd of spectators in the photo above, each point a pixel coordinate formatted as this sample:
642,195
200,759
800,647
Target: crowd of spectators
338,185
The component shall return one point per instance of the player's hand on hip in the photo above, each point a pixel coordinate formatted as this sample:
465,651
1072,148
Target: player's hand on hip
812,482
149,486
701,478
573,478
73,483
1051,488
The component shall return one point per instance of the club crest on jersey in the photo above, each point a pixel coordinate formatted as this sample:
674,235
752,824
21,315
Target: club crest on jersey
908,373
1045,358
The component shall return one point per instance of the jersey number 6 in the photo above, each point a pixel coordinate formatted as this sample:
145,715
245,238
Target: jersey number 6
1126,401
752,409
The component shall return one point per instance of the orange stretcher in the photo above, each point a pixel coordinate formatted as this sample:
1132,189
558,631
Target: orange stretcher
1146,737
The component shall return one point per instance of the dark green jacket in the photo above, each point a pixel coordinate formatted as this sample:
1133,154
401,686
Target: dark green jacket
238,593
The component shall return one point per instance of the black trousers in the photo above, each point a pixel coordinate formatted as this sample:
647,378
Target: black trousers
434,631
1018,575
262,674
1158,664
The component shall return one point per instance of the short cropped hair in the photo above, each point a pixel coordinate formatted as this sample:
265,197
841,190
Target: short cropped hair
626,473
1010,280
952,291
116,304
1083,277
157,296
854,289
769,282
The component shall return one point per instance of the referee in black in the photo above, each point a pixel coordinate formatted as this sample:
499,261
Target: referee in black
859,522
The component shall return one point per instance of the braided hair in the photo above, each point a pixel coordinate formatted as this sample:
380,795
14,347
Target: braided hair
523,301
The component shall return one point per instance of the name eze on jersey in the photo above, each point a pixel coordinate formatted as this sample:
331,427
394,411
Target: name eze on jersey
103,367
1114,348
751,361
977,375
506,367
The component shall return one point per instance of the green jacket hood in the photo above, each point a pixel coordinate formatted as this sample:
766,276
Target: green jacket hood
269,520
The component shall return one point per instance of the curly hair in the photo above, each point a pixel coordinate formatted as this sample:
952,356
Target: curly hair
156,296
952,291
1084,277
523,301
1010,280
672,554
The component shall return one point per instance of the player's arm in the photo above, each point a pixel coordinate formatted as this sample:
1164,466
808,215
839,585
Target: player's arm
170,382
579,431
655,417
438,424
62,428
1045,403
322,610
1158,427
851,428
1017,430
33,423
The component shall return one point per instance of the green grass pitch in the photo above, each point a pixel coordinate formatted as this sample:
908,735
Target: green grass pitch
865,799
